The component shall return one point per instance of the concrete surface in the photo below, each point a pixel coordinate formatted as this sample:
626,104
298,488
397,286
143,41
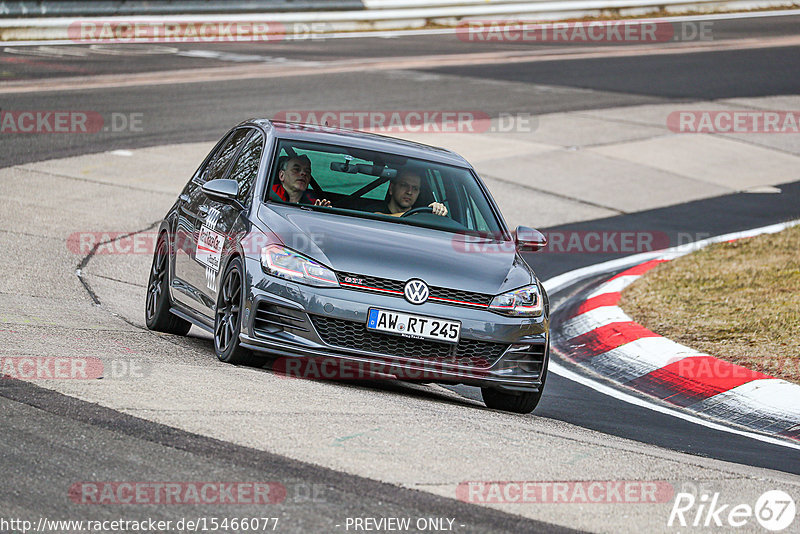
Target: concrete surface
389,433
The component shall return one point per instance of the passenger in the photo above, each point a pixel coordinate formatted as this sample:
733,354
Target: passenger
293,179
403,193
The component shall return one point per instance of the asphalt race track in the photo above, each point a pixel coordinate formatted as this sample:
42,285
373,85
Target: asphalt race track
360,450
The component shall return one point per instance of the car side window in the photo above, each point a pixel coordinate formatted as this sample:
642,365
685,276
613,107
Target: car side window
219,162
245,169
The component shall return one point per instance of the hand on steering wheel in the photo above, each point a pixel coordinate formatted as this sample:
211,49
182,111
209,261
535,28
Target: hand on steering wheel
423,209
437,208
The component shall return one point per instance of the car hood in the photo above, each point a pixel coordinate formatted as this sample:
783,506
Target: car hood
398,251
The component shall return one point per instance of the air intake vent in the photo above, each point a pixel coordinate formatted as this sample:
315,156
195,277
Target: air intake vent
271,318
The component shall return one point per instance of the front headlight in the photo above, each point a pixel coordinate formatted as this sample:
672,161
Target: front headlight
526,301
284,263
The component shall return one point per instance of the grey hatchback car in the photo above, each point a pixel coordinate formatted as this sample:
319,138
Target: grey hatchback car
343,254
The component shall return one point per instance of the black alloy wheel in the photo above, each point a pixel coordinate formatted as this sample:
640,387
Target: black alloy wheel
156,311
228,316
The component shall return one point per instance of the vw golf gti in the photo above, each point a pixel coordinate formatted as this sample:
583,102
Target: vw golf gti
309,243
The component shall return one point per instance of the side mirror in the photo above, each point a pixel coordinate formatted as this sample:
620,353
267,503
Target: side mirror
529,239
221,189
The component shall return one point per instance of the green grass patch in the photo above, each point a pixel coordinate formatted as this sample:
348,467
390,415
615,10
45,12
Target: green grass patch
737,301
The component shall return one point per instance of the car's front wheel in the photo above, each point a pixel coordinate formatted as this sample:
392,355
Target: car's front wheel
228,316
515,402
156,310
511,402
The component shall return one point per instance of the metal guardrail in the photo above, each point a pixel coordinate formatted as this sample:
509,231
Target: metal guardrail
104,8
251,17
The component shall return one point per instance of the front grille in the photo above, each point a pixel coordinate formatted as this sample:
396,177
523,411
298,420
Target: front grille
460,298
373,281
354,335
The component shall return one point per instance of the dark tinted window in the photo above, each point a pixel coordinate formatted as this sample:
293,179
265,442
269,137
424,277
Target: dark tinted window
356,182
219,161
246,167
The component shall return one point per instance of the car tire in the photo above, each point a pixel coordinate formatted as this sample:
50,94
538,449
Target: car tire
516,402
511,402
228,317
157,303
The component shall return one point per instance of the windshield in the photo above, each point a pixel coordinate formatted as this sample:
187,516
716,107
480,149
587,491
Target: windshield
357,182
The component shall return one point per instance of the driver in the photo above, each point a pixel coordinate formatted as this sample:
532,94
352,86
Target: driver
293,179
403,193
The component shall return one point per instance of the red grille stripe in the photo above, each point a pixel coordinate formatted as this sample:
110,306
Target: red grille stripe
392,291
460,302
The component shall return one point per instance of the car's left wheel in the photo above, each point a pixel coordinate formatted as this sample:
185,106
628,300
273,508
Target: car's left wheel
511,402
156,310
228,317
516,402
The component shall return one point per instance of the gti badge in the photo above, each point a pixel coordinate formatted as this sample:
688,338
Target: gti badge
416,291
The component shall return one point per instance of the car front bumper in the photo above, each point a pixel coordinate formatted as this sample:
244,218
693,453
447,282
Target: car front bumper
286,320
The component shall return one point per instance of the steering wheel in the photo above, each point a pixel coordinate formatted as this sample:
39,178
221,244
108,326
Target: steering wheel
423,209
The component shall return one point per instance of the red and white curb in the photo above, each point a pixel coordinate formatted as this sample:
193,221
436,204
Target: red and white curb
600,337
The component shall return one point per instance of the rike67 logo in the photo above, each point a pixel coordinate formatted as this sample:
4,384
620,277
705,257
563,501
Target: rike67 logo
774,510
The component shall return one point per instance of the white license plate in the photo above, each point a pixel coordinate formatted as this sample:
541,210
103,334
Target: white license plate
414,326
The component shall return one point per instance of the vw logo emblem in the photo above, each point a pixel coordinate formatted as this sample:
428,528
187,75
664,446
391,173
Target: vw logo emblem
416,291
